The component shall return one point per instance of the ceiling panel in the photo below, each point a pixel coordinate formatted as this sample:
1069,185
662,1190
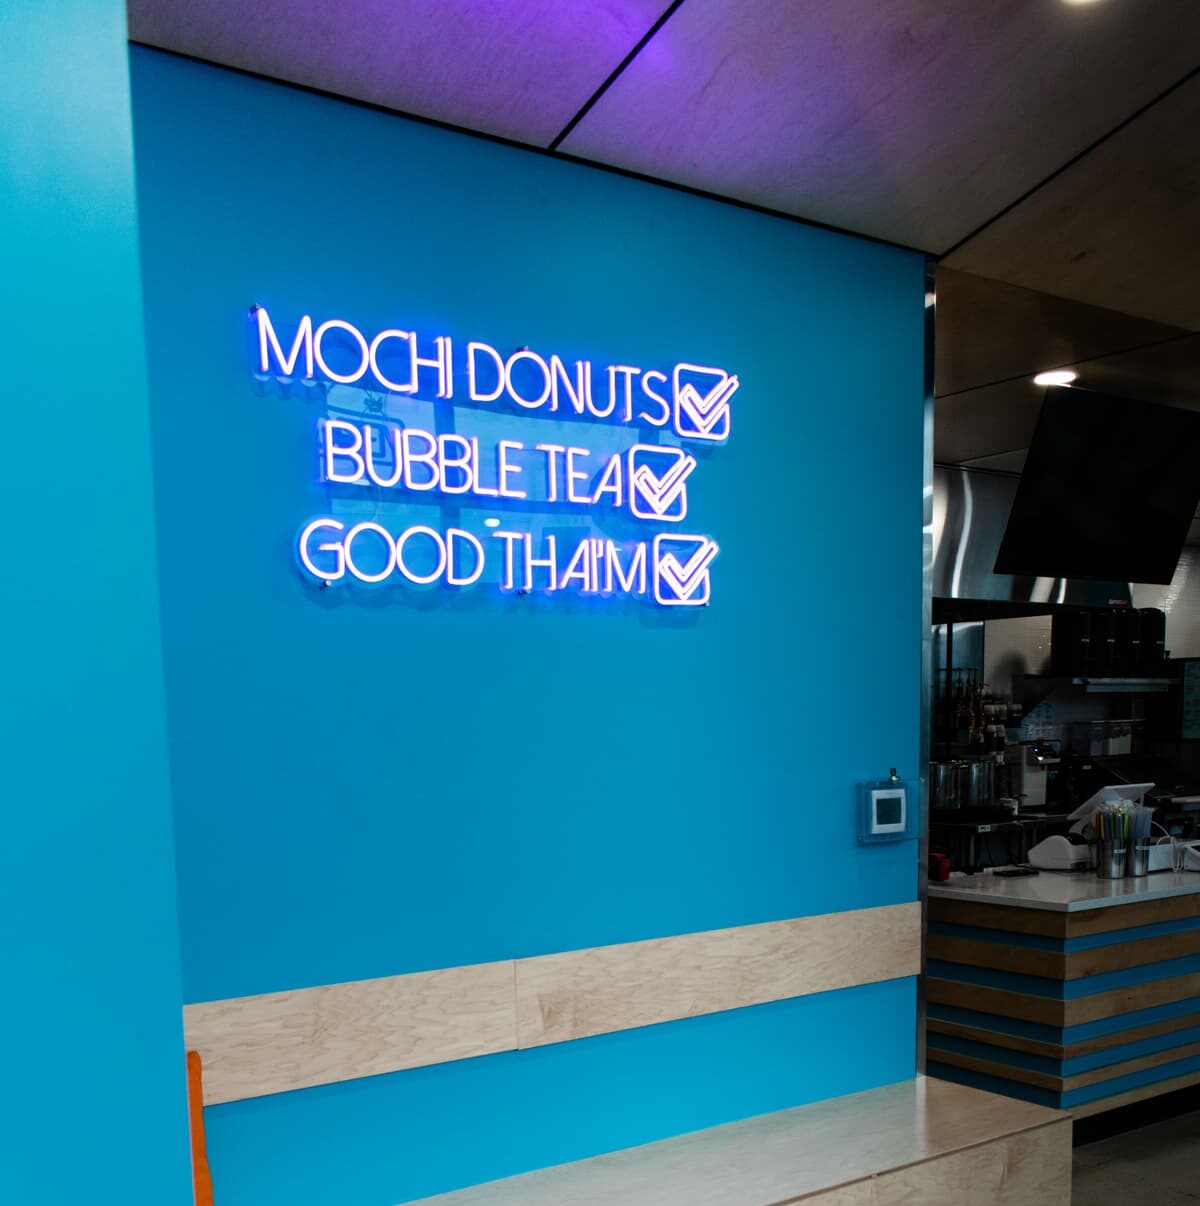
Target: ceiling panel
911,120
987,424
1001,462
1116,229
1168,372
989,331
520,70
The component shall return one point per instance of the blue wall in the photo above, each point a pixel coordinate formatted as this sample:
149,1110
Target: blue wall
93,1103
368,783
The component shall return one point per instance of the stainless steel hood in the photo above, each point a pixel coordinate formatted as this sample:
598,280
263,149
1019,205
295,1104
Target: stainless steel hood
970,513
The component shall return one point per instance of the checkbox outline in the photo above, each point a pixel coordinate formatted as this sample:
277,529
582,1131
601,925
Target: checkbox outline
708,419
683,466
706,550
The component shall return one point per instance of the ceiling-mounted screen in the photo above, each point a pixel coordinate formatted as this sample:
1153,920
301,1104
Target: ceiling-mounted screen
1108,491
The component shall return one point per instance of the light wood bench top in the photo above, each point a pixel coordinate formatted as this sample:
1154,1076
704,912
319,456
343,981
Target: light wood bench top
782,1157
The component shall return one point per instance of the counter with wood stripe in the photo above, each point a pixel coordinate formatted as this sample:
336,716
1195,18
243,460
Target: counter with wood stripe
1068,991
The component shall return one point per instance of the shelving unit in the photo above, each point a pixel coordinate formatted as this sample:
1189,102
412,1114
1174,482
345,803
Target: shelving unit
1032,689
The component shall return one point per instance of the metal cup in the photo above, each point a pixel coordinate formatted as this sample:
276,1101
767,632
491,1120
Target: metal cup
1138,857
1110,858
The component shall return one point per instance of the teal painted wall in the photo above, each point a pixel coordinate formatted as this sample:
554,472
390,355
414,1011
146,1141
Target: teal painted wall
92,1104
371,783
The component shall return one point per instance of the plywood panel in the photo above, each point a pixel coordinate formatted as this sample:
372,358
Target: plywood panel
996,1038
1092,1046
595,991
1116,228
1124,917
991,1067
982,422
1129,1066
996,1000
1062,1013
1144,1093
1050,923
1044,922
989,331
849,1143
1022,959
1054,966
290,1040
1127,1000
1033,1169
1131,954
520,72
314,1036
1061,1084
1135,1034
911,121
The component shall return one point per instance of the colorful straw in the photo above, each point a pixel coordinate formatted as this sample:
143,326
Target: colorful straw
1122,820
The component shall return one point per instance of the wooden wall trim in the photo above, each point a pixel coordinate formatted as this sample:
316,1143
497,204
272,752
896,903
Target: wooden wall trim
581,993
256,1045
275,1042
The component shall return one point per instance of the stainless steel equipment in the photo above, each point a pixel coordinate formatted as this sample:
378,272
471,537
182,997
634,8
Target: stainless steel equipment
948,784
981,782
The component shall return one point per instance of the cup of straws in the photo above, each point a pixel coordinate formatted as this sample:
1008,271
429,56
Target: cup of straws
1122,831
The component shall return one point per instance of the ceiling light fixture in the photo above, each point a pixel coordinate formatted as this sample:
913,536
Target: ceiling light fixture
1056,377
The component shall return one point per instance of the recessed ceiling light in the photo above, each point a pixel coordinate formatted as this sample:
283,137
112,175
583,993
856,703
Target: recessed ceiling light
1078,3
1056,377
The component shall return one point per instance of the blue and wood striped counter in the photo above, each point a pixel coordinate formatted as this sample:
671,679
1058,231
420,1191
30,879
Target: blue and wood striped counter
1066,990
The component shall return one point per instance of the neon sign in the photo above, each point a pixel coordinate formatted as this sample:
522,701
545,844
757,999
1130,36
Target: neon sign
414,458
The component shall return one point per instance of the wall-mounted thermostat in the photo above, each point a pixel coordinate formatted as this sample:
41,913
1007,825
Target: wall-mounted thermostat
886,809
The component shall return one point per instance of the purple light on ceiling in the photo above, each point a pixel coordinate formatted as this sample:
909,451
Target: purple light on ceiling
520,69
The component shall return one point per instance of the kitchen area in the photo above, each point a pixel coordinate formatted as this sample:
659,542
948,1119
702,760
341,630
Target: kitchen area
1064,775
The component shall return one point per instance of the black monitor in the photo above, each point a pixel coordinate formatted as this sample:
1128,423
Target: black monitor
1108,492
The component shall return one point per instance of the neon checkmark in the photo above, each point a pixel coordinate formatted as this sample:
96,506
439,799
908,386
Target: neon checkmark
703,416
686,582
659,494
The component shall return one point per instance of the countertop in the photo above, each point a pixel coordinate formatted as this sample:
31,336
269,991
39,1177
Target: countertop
1066,893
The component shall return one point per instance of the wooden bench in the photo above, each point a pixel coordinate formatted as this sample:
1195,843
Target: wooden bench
923,1142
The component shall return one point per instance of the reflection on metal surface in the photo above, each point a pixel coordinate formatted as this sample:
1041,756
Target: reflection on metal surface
960,555
1181,602
970,513
928,522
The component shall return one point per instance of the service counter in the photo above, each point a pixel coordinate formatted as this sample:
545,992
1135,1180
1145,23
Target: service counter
1064,989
